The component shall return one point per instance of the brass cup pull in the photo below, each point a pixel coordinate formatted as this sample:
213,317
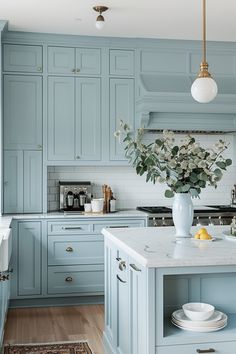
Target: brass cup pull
211,350
69,279
69,249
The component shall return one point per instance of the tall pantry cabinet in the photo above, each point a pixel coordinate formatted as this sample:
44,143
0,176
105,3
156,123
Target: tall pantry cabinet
22,128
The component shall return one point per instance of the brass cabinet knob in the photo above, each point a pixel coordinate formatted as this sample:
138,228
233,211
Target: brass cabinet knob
77,157
69,249
69,279
122,265
77,70
40,147
39,68
73,70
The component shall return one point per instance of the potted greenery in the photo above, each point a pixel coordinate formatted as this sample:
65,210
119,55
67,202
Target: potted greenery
186,168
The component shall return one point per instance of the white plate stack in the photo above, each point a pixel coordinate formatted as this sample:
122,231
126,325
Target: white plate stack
216,322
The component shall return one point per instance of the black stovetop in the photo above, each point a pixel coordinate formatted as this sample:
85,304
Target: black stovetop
208,208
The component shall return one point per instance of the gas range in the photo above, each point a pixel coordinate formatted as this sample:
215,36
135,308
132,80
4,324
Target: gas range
203,215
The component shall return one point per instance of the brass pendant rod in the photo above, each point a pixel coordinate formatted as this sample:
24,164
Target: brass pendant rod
204,31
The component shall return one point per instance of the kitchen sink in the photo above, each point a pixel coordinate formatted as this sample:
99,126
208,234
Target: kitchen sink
5,249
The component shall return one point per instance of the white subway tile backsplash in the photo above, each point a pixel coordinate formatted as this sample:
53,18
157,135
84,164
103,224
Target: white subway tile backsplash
132,190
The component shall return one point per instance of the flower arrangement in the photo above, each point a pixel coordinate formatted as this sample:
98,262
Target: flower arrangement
185,167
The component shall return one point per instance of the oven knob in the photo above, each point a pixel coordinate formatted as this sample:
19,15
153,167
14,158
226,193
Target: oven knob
220,221
163,222
154,222
210,223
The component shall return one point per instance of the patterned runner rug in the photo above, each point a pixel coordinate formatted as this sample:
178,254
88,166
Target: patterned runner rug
52,348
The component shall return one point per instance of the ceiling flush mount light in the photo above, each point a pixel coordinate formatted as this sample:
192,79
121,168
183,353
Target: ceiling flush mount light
204,88
100,21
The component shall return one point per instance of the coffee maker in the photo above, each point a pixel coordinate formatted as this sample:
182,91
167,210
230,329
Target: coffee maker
73,195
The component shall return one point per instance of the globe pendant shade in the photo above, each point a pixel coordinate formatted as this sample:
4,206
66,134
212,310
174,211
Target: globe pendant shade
204,89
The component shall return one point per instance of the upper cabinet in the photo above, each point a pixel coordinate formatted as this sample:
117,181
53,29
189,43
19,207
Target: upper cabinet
22,58
121,62
22,112
80,61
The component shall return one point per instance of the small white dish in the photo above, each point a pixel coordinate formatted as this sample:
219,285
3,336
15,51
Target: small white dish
200,329
179,316
198,311
228,236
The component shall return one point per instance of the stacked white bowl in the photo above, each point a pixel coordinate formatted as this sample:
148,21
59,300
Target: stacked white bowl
199,317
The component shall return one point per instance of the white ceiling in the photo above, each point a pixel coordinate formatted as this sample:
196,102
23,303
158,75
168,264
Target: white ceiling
177,19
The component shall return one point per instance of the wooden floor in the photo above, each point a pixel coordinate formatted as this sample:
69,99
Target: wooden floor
55,324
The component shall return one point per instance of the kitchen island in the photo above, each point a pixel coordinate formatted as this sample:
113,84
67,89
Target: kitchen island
148,275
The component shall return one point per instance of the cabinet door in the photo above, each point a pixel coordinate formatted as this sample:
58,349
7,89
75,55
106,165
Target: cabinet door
13,181
121,62
88,61
22,112
61,60
32,182
61,118
22,58
138,306
121,108
29,258
88,119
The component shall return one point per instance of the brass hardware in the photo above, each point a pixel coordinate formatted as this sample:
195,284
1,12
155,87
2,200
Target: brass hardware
122,265
77,157
69,279
39,68
40,147
117,227
71,228
211,350
73,70
135,267
118,259
69,249
100,9
77,70
122,281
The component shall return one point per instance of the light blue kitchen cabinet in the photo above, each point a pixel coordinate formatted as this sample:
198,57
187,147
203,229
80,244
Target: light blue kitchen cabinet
121,62
33,182
22,58
13,194
22,112
22,181
88,119
29,258
121,108
4,299
78,61
74,119
61,118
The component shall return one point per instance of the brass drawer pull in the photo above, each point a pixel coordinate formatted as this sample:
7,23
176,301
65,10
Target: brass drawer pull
135,268
211,350
69,279
117,227
69,249
71,228
122,281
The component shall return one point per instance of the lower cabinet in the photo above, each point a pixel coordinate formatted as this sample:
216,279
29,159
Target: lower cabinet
219,348
22,181
4,300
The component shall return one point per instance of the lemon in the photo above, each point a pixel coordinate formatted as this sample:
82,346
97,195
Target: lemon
205,236
197,236
202,230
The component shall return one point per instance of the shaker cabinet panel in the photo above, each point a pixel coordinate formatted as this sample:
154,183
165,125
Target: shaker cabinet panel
13,181
22,58
121,62
61,60
32,181
88,61
22,112
88,119
29,258
61,121
121,108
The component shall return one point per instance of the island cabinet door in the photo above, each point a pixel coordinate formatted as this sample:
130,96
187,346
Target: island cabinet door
138,308
29,258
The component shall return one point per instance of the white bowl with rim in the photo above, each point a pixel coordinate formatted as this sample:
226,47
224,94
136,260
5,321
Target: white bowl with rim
198,311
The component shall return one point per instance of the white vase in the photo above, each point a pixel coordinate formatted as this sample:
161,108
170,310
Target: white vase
182,213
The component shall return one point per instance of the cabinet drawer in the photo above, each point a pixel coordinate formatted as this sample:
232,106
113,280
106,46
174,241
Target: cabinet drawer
69,228
22,58
117,224
220,348
76,279
74,249
121,62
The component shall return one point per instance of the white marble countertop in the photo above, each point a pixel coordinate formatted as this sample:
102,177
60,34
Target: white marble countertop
5,220
157,247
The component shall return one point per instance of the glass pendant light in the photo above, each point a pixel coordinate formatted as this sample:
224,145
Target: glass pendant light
100,21
204,88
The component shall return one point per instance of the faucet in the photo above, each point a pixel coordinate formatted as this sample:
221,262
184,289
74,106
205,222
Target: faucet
233,195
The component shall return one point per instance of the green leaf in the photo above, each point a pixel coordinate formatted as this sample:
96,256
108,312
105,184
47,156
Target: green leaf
218,172
228,162
169,193
175,150
185,188
221,164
